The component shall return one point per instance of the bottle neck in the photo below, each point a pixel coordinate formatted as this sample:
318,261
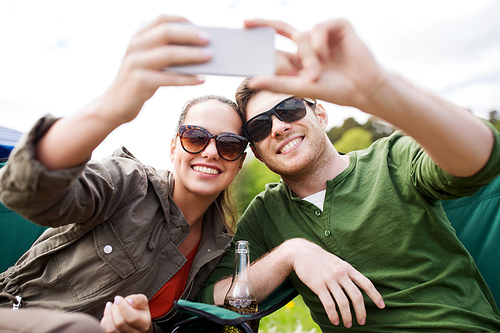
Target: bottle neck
241,285
242,266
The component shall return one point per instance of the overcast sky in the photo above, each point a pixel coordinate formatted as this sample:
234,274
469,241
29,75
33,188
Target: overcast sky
56,56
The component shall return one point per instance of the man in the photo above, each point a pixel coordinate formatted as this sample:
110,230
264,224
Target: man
377,209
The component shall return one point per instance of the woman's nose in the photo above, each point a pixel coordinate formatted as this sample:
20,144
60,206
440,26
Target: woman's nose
210,150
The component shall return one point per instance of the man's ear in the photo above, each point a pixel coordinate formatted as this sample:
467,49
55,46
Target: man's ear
172,148
255,152
322,116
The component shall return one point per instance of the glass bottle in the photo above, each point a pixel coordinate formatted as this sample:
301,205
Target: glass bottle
240,296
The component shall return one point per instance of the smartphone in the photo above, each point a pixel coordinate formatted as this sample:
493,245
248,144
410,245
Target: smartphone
236,52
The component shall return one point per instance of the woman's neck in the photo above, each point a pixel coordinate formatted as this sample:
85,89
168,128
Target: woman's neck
193,206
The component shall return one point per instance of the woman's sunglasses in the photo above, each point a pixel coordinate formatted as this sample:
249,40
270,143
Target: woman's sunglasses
195,139
288,110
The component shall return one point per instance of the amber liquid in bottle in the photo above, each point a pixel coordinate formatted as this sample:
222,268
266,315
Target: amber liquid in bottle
241,297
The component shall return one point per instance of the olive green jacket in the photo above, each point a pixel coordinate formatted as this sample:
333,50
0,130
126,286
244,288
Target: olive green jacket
114,230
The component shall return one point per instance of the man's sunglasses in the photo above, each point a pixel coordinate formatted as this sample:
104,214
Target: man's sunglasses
288,110
195,139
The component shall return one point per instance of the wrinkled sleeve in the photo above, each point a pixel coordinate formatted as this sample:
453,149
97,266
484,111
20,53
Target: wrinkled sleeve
87,193
434,182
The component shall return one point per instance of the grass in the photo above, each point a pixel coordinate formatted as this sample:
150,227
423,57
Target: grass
293,317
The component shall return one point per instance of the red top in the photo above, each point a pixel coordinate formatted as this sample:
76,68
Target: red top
164,299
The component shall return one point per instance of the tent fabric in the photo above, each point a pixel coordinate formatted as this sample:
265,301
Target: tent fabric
16,236
8,139
16,233
476,220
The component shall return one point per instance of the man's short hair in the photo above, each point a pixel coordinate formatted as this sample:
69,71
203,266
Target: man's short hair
243,95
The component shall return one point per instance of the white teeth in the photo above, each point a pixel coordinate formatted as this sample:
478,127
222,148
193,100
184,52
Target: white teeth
208,171
290,145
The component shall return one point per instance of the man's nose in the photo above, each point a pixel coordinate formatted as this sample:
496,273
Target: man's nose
279,127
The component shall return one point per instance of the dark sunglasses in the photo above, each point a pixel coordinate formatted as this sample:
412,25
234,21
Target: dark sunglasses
288,110
195,139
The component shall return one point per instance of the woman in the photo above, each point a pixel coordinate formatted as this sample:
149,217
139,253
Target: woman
118,226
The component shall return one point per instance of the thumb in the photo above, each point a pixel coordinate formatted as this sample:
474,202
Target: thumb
280,84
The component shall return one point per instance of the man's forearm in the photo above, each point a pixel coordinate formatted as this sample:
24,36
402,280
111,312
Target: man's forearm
456,140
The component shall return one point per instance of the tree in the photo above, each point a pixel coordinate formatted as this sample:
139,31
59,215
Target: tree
354,139
335,133
252,179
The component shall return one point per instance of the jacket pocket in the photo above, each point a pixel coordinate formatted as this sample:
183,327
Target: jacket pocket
92,265
111,249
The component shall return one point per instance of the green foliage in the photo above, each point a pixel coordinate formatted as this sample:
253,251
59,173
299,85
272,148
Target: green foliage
354,139
251,180
335,133
495,119
293,317
377,128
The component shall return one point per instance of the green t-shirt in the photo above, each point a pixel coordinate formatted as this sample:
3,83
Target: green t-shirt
383,215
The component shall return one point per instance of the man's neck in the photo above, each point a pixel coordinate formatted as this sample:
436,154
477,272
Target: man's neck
328,168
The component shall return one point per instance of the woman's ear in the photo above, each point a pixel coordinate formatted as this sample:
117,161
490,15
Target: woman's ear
172,148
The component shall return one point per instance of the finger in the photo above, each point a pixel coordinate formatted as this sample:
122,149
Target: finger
365,284
357,301
160,20
325,35
166,78
320,43
118,318
138,301
342,304
281,28
308,57
283,84
167,56
287,63
329,305
132,318
165,34
107,323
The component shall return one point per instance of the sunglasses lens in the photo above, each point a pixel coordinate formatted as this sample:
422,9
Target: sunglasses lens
194,140
259,128
291,110
230,147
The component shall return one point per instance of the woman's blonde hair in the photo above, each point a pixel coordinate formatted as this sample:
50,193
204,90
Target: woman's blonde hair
224,201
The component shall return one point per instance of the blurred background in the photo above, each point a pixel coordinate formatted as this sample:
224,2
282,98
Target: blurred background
56,56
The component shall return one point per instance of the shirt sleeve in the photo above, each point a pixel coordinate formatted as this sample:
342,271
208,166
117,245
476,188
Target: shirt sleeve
434,182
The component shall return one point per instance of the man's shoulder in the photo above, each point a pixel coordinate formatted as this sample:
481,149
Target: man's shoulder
272,192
